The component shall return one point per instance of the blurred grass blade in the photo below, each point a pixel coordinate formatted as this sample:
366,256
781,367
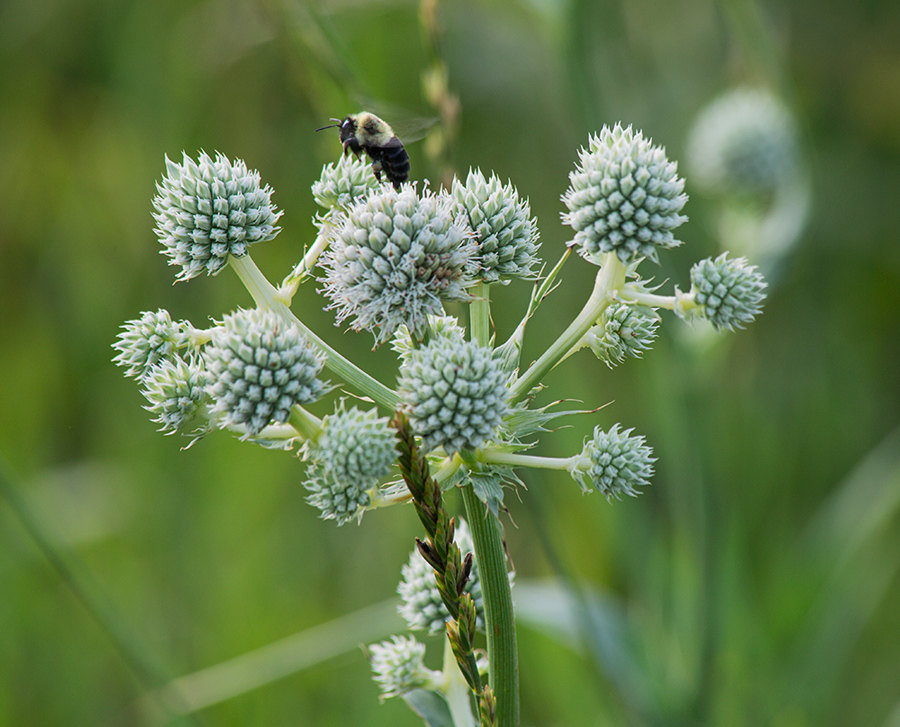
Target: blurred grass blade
430,707
282,658
76,576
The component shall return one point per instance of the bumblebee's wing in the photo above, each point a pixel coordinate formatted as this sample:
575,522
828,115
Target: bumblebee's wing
410,131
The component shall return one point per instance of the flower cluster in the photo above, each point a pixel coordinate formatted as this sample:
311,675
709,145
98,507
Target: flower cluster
729,291
395,258
745,141
147,341
505,232
398,665
210,209
261,366
624,196
456,394
614,462
355,450
624,330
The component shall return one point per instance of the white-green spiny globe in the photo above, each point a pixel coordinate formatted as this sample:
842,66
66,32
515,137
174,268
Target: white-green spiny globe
210,209
438,327
355,450
260,367
147,341
624,197
615,463
623,330
177,397
505,232
344,183
398,665
455,392
420,601
395,257
745,141
729,291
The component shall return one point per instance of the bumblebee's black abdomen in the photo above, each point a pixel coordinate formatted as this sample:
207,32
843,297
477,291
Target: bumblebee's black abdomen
395,162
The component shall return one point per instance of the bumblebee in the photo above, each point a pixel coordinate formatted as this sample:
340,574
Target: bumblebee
365,132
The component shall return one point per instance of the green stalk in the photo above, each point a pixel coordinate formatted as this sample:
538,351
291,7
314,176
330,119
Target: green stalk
487,537
456,691
265,295
610,279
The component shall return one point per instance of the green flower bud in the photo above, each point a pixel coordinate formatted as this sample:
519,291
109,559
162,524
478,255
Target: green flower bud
729,292
505,232
355,450
745,141
394,259
147,341
624,196
398,666
261,366
176,392
210,209
623,330
344,183
456,394
613,462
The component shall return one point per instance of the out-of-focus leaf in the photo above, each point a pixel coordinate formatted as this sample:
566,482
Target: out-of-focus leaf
430,706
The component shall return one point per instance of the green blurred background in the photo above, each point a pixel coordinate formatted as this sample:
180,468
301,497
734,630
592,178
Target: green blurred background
756,581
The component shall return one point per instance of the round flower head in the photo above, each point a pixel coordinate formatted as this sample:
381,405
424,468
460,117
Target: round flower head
624,196
260,366
344,183
398,665
394,259
744,141
505,232
355,450
456,393
623,330
176,392
730,292
420,602
147,341
438,327
613,462
210,209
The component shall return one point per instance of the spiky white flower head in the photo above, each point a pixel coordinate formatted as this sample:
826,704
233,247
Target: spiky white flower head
147,341
355,450
177,396
745,141
420,601
344,183
438,327
398,666
623,330
260,366
614,462
624,196
455,392
210,209
395,257
505,232
730,292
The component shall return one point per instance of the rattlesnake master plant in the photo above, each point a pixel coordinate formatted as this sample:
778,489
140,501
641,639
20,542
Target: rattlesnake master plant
460,415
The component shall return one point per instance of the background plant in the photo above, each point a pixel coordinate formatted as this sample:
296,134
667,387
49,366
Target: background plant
717,560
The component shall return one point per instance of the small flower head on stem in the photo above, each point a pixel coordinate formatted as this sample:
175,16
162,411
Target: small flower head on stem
261,366
623,330
398,666
147,341
355,450
395,257
344,183
455,391
729,292
210,209
624,196
614,462
177,396
505,232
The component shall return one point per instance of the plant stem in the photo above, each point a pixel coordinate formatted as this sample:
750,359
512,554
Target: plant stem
610,279
513,459
491,557
265,295
456,691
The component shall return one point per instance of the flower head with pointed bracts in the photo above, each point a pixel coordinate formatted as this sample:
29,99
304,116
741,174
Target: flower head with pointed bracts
614,462
624,196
